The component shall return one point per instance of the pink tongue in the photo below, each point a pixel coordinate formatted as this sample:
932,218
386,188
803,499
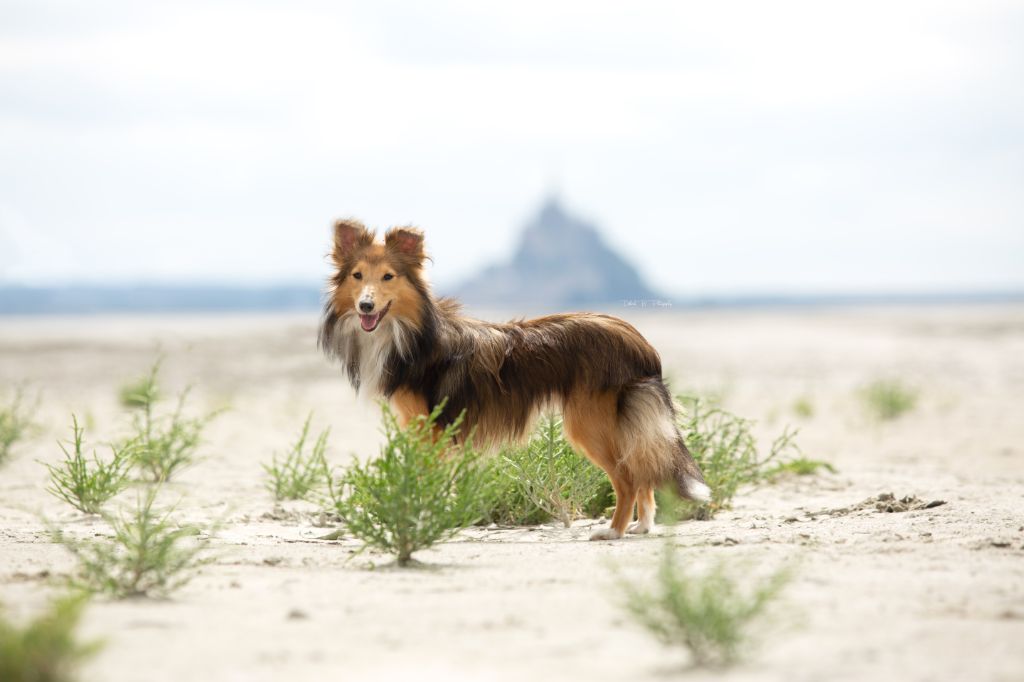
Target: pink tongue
369,322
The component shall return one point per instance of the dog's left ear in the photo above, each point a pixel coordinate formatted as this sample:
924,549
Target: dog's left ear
406,242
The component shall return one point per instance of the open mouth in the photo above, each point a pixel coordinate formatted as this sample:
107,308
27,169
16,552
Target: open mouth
370,322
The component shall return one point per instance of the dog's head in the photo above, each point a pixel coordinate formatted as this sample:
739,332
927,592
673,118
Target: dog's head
377,280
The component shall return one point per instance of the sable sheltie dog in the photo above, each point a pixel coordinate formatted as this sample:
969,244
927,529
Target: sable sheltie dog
396,341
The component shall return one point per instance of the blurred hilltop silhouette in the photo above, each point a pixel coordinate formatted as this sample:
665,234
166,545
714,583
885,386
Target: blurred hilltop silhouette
561,262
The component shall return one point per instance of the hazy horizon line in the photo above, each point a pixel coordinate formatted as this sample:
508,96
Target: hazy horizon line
86,299
440,288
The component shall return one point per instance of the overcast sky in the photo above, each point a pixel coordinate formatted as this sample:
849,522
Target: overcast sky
722,146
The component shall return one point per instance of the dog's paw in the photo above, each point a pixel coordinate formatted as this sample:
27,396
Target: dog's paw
606,534
638,528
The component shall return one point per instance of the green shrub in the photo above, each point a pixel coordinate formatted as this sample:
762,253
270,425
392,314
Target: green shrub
85,486
603,503
887,399
505,502
164,445
147,555
422,488
45,649
14,424
299,473
553,477
724,447
709,612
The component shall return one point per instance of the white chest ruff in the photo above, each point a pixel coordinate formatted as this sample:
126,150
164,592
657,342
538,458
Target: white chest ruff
375,350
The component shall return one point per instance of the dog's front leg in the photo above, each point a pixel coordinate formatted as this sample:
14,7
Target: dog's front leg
408,405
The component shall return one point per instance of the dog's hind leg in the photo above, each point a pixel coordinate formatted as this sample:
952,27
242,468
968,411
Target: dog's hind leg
625,498
644,512
590,425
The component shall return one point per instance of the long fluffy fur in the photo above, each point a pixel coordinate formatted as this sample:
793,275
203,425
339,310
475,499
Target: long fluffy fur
597,369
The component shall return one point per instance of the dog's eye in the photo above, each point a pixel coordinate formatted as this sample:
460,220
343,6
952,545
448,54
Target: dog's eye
388,276
358,275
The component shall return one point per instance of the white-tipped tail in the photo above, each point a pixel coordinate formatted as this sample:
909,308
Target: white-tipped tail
697,491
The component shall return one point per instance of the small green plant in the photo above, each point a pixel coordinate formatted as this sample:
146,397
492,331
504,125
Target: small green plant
803,407
299,473
421,489
724,447
709,613
45,649
165,444
553,476
87,486
798,466
888,399
147,555
142,391
14,424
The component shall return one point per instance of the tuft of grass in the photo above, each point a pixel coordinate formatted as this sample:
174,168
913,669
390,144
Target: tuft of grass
421,489
553,477
14,424
164,445
299,473
803,407
724,447
888,399
45,649
147,555
87,486
708,613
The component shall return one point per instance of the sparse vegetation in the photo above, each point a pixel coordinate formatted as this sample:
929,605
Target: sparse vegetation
724,446
547,479
147,555
14,424
87,486
888,399
299,473
166,444
553,477
803,407
709,613
421,489
45,649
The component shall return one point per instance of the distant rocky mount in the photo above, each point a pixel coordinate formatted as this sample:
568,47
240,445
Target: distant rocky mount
561,263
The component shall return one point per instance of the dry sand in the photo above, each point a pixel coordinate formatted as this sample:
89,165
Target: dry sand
932,594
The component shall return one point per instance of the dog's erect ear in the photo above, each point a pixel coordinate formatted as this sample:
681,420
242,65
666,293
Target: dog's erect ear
349,235
406,242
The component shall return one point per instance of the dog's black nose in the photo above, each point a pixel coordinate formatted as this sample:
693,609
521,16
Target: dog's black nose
365,306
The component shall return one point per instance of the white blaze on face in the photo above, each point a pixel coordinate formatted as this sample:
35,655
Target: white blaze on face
367,294
370,320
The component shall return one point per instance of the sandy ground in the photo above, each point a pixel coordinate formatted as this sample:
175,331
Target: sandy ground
935,594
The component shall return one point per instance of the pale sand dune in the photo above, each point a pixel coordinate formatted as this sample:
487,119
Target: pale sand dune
936,594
